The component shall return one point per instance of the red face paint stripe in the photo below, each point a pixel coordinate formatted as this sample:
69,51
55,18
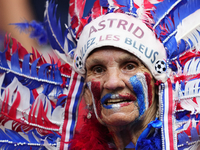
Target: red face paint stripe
148,80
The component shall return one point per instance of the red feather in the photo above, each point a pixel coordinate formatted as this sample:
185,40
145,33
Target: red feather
13,109
93,136
5,102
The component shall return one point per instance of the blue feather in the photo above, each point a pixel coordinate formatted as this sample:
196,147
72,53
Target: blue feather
57,75
23,74
161,9
37,31
88,6
61,101
165,9
183,138
53,27
3,61
43,71
34,68
25,65
194,134
190,7
47,89
104,3
71,44
171,46
127,6
12,140
16,137
182,86
15,62
4,136
31,98
51,137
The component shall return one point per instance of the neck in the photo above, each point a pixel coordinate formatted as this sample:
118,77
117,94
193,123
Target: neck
123,135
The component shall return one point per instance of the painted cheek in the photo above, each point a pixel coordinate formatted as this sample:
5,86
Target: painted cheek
96,92
148,80
139,91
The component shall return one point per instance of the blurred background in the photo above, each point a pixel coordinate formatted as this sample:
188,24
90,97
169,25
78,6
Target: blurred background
15,11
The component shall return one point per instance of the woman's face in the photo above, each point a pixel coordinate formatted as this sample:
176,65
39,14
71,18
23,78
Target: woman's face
120,87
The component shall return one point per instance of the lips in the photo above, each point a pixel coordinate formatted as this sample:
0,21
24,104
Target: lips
116,100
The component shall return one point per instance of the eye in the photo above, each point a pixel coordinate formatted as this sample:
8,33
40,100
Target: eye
130,67
98,69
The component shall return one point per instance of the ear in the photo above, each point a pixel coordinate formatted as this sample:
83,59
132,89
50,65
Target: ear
87,96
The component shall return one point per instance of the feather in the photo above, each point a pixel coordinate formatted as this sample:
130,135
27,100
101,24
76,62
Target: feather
98,137
3,61
63,44
15,136
31,137
13,109
176,12
15,62
126,6
54,31
87,8
37,31
25,65
162,10
20,67
183,138
189,29
194,134
190,106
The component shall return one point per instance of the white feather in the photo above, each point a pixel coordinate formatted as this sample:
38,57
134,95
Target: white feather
189,88
192,68
188,28
176,92
185,71
198,66
189,105
57,115
24,105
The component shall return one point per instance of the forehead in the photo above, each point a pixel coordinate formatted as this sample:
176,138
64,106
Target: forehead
107,53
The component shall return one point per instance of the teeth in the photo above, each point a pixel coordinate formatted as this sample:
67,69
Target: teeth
115,100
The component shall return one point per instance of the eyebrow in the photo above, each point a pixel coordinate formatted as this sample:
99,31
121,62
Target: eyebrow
95,60
127,58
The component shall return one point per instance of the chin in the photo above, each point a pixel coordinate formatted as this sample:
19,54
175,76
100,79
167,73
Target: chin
118,117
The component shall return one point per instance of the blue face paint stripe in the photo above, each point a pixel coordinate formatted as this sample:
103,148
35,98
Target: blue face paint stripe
138,89
107,96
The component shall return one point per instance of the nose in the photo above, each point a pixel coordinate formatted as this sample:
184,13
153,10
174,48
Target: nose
113,80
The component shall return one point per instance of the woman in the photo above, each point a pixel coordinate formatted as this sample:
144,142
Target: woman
136,63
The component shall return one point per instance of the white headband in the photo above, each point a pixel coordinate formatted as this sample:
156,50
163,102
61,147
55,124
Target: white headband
125,32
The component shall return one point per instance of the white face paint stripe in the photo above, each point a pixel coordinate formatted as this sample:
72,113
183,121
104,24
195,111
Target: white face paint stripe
94,106
141,77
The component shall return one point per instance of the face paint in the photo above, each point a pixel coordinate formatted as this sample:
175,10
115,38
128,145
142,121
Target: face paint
139,85
94,88
110,96
148,80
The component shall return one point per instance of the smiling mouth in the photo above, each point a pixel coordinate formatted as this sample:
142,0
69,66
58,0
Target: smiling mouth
117,101
110,101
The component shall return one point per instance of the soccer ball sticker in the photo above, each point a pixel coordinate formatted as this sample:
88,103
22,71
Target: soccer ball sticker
160,66
79,63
